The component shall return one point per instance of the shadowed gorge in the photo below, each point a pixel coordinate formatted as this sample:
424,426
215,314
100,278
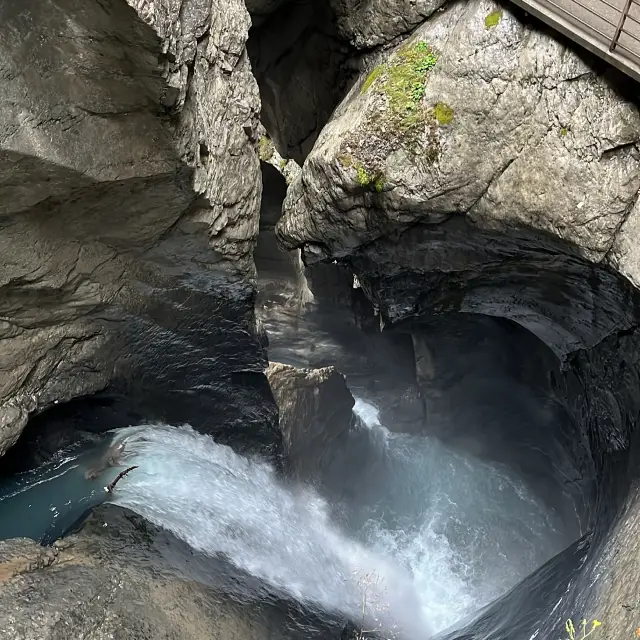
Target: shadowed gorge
318,321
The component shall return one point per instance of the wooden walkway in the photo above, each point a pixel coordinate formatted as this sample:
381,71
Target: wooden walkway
608,28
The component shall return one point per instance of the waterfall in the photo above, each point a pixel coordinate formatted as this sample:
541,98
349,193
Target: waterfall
444,536
465,529
224,504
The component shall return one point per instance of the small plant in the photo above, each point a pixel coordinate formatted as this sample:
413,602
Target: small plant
585,629
365,179
563,132
372,593
443,113
493,19
283,163
265,149
362,178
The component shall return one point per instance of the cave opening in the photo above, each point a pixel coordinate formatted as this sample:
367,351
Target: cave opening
510,352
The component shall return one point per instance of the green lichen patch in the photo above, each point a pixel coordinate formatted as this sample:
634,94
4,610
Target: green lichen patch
563,132
395,117
265,149
368,180
376,72
283,164
493,19
443,113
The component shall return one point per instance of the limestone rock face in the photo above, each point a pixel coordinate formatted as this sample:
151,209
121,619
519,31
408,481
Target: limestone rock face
370,24
111,580
315,408
207,71
500,124
128,176
481,152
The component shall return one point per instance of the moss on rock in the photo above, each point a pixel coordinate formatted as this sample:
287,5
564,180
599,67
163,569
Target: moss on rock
376,72
493,19
443,113
404,80
397,119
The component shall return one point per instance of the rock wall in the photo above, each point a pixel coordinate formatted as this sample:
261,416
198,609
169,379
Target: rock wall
115,580
129,200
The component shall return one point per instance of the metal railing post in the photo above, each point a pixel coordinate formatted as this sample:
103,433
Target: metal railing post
623,17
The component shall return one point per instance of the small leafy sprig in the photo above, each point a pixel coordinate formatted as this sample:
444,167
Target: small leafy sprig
581,632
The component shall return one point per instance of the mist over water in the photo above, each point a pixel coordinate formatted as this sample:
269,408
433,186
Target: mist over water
444,536
222,503
466,530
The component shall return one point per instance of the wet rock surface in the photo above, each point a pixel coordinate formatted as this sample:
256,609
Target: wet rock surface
128,176
315,318
315,408
120,577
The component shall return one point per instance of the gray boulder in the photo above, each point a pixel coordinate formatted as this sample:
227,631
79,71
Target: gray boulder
476,116
315,409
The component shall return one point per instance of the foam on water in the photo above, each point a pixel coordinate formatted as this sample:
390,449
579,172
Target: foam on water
444,533
466,530
222,503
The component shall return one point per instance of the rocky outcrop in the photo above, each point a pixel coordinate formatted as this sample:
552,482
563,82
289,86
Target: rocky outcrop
483,167
129,191
115,579
463,120
376,22
315,408
452,133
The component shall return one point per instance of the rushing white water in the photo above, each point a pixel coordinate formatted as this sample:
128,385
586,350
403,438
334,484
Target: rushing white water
440,534
222,503
466,530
